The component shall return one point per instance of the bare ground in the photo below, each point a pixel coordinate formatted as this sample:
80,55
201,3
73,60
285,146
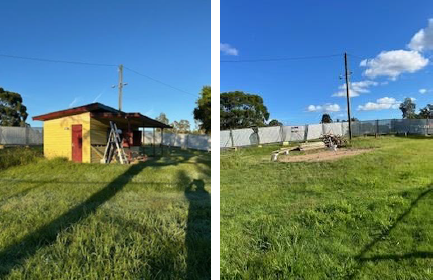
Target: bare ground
323,155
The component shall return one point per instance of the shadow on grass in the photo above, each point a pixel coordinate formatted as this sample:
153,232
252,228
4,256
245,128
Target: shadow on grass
418,255
198,224
184,158
198,231
361,259
15,254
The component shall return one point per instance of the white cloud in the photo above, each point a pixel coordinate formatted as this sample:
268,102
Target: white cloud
313,108
73,102
355,88
380,104
423,39
229,50
393,63
325,108
422,90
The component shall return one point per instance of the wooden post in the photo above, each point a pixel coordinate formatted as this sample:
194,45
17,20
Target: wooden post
231,137
161,141
154,141
377,128
306,132
346,73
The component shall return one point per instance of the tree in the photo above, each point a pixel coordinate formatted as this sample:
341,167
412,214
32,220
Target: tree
202,112
12,110
274,123
408,109
426,112
239,110
353,119
326,118
162,118
183,126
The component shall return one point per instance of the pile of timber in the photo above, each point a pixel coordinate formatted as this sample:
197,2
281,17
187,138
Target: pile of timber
311,146
331,140
281,151
301,147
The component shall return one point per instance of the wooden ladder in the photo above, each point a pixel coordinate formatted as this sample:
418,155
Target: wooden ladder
114,145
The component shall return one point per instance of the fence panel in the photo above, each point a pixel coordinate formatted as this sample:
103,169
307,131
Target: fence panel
20,135
269,134
245,137
225,139
314,131
384,126
294,133
334,128
191,141
429,127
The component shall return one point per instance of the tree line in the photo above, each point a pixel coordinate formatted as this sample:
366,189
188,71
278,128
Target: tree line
14,113
241,110
201,116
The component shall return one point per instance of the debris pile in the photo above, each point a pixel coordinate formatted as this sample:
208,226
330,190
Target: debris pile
333,141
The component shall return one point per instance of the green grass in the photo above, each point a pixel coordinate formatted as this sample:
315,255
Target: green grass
64,220
362,217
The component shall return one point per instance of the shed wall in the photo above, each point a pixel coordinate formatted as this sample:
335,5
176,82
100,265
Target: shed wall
58,134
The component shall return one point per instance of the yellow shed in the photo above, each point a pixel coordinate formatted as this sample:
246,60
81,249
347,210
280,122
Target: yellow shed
81,133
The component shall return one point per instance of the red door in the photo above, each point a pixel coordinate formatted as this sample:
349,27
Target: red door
77,143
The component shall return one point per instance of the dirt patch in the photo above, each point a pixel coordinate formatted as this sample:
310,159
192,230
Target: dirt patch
323,155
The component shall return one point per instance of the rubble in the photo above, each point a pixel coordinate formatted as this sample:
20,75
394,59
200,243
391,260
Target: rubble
333,141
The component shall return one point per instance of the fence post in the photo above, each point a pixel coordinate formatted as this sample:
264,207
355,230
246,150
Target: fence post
26,133
231,137
154,142
281,131
306,133
187,141
377,128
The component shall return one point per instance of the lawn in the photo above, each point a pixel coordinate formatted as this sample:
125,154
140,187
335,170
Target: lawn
363,217
64,220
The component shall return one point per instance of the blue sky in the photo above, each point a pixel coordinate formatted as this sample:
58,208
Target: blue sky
167,40
389,42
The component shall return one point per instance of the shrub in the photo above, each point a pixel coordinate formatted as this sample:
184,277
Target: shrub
19,156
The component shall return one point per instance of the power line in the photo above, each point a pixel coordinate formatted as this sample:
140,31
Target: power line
56,61
94,64
349,54
283,58
160,82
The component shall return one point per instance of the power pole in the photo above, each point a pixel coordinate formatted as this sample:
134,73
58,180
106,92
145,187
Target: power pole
120,86
346,74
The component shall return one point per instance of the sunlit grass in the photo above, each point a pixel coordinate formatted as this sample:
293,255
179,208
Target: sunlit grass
63,220
362,217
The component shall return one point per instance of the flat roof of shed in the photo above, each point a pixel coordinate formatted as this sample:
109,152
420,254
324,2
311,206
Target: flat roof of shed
102,111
